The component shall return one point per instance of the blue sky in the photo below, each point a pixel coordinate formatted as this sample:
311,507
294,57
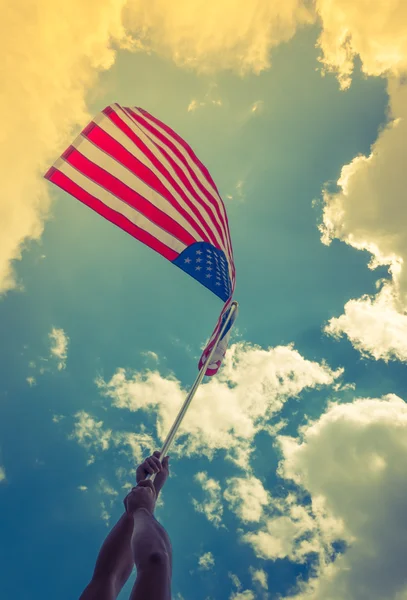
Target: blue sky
272,142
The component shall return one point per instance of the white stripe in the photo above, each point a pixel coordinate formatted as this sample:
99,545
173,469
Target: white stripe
201,177
147,138
115,132
203,203
221,222
118,205
115,168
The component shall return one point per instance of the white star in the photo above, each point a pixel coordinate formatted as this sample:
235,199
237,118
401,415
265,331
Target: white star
198,268
218,283
187,260
199,260
209,268
199,252
208,275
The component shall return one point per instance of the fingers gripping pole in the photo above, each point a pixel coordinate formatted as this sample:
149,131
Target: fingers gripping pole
179,418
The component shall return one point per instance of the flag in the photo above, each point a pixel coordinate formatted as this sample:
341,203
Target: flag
139,174
221,343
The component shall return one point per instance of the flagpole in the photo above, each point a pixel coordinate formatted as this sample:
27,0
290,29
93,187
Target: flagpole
181,414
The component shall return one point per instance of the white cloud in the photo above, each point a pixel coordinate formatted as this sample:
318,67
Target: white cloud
376,33
257,107
369,212
232,408
59,346
259,576
90,433
246,497
43,102
212,506
246,595
353,463
374,326
31,381
152,355
206,561
2,474
83,488
208,36
92,436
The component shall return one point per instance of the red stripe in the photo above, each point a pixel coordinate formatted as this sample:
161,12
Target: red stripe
183,143
61,180
129,196
144,173
198,163
217,203
193,176
209,235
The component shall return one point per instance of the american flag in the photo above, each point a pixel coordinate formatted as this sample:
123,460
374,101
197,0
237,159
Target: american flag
139,174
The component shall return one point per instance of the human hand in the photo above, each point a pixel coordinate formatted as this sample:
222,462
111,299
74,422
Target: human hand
141,496
151,466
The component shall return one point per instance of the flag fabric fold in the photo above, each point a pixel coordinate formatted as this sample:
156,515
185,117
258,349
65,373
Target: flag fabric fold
136,172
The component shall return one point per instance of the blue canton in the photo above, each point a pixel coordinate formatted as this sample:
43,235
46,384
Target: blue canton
208,265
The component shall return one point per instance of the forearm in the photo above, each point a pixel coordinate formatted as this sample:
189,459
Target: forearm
148,539
152,557
115,555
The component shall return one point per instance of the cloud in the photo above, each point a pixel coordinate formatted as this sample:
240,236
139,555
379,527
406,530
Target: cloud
374,33
209,36
212,506
257,107
211,98
369,212
259,576
246,595
94,437
374,326
90,433
246,497
353,464
206,561
51,60
2,474
232,408
59,346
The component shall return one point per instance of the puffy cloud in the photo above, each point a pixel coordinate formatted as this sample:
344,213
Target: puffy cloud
59,346
376,33
50,60
90,433
232,408
92,436
245,595
247,497
2,474
369,212
259,576
374,326
212,506
206,561
352,462
210,36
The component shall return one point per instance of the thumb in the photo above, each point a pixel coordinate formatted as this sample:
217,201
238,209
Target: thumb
166,463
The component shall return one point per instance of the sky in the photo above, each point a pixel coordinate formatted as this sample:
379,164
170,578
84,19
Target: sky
288,477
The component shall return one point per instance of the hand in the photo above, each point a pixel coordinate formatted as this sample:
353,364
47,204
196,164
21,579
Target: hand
142,496
151,466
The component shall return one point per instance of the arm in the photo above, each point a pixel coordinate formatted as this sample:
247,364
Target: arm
152,557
